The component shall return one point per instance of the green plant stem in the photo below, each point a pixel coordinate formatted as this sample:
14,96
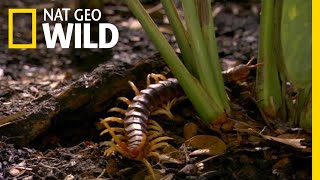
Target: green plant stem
198,45
202,102
304,108
181,35
286,100
268,83
206,20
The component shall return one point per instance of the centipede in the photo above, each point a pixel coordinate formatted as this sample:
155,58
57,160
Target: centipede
141,137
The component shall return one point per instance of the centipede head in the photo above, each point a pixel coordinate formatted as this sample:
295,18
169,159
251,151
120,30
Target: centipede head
140,151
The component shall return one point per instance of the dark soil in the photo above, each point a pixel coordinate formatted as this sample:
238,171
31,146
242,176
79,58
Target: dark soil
27,76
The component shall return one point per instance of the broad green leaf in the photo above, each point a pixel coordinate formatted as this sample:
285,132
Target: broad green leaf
296,41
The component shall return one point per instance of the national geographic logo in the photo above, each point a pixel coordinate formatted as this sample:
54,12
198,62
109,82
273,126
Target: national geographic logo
80,30
33,13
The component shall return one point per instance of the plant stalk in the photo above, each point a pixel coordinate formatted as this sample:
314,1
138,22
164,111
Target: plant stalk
202,102
198,45
207,21
268,83
181,35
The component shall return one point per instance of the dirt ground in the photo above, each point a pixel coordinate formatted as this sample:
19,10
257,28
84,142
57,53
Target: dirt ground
28,75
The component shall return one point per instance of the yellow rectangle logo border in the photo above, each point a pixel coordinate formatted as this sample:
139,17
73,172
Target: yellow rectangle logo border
33,13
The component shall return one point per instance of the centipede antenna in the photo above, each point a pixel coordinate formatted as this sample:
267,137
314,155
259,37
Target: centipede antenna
149,167
134,88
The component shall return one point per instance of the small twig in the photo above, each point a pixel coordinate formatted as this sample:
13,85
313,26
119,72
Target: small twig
209,158
47,166
154,8
186,153
102,173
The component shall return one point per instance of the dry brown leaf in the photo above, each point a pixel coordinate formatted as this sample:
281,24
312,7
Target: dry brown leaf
281,163
189,130
227,126
296,143
207,145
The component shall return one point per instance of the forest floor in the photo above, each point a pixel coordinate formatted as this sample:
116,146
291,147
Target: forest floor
27,75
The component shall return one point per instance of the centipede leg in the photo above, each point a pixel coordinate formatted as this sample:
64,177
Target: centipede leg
154,134
159,139
120,110
154,123
166,109
117,109
112,132
164,112
149,167
173,102
154,154
112,119
113,147
156,77
120,130
156,128
121,137
159,145
134,88
125,100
